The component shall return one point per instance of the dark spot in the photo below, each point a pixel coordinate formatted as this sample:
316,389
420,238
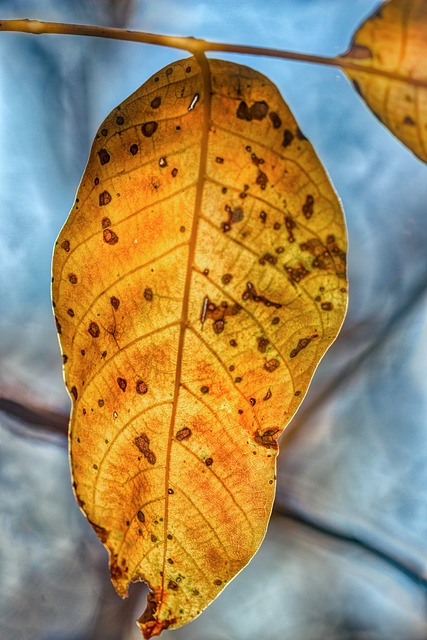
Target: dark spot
140,516
95,466
110,237
288,136
208,462
183,434
141,387
115,302
153,538
257,161
327,306
134,149
238,379
169,536
104,354
218,325
122,384
83,352
169,71
262,179
74,393
149,128
224,190
233,343
231,367
277,226
104,198
170,560
72,278
104,132
267,439
120,120
172,585
170,491
188,70
258,110
66,245
307,207
143,444
300,134
302,344
96,181
58,325
243,111
106,222
100,403
267,257
204,389
226,278
100,531
174,172
156,102
182,229
275,119
409,120
148,294
267,395
296,274
205,272
263,344
251,294
263,216
70,313
104,156
93,330
64,359
252,401
219,160
163,163
218,582
271,365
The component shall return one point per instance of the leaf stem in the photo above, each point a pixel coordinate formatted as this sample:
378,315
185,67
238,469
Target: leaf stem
190,44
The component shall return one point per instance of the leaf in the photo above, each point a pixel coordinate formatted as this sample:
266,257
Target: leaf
198,281
389,53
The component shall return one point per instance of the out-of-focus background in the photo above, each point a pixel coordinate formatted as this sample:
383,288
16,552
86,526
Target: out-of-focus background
345,557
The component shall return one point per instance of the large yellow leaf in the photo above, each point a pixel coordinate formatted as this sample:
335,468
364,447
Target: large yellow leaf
198,281
389,52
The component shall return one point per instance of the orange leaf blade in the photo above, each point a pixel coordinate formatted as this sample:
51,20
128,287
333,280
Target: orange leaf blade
389,52
198,281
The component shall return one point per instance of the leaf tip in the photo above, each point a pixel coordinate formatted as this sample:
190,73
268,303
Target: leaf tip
149,623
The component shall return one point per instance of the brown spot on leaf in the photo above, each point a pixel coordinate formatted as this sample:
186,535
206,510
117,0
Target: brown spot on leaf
120,120
275,119
70,313
296,274
58,325
302,344
134,149
149,128
267,257
156,102
106,222
262,179
300,134
172,585
263,344
288,136
140,515
141,387
66,245
267,439
174,172
408,120
209,462
267,395
251,294
243,111
94,330
226,278
143,444
73,392
115,302
271,365
72,278
148,294
64,359
110,237
104,198
307,207
183,434
258,110
204,389
122,384
104,156
327,306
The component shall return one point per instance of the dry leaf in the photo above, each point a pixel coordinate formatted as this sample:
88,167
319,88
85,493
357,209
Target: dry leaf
198,281
390,54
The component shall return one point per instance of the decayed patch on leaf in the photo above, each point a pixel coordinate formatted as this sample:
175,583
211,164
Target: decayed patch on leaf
390,54
204,263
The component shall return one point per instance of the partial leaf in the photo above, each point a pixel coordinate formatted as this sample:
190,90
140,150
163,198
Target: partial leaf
389,52
198,281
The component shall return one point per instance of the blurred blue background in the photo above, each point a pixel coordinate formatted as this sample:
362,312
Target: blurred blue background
345,556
